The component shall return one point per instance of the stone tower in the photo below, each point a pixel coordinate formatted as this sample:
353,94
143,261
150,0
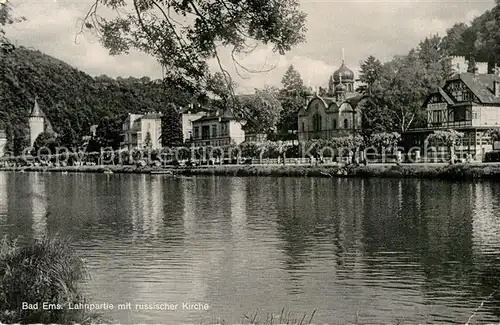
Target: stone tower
36,123
3,142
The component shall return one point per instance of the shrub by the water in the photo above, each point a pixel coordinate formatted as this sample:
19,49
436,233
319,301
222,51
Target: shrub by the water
46,271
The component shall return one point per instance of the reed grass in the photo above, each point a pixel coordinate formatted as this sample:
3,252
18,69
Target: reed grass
45,271
286,317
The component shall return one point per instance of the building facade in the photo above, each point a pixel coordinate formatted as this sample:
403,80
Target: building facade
468,103
141,131
218,128
460,65
335,114
187,118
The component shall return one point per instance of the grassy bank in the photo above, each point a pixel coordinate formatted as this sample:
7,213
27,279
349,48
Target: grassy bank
462,171
39,281
458,171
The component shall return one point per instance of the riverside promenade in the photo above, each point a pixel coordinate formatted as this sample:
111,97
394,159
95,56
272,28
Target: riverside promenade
392,170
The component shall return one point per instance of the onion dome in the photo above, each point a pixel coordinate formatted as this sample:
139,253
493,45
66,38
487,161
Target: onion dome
340,88
343,72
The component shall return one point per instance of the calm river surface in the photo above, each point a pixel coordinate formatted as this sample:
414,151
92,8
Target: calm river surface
382,249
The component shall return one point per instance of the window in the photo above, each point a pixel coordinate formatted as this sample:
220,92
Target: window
214,130
438,116
334,124
346,124
196,132
460,114
317,122
303,127
205,132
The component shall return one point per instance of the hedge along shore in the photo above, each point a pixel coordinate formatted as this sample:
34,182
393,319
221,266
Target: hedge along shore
432,171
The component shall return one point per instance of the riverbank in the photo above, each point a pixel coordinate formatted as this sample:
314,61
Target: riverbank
438,171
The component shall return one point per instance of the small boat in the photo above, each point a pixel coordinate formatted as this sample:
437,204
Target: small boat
65,172
108,171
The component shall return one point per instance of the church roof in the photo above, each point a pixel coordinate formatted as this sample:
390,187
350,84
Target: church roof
354,101
343,73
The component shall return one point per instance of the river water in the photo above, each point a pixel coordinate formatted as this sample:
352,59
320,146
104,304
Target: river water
353,250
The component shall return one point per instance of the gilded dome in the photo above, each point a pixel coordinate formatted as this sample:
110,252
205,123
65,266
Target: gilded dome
344,72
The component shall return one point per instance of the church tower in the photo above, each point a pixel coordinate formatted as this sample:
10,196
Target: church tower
343,78
36,123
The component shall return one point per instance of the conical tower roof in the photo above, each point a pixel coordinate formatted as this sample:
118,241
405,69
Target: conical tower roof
36,111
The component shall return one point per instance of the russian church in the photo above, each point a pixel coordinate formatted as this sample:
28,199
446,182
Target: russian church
334,114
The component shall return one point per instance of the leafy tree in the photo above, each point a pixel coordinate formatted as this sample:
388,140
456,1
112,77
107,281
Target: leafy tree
434,55
152,27
292,99
454,40
265,108
109,131
370,74
171,127
251,149
385,140
375,117
404,87
6,18
448,138
45,140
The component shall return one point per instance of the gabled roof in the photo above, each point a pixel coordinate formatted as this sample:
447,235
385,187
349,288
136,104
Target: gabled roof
481,85
354,101
443,93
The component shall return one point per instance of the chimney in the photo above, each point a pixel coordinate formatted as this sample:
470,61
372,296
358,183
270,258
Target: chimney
496,88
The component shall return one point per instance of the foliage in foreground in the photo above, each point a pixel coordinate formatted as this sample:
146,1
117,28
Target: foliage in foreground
285,317
45,271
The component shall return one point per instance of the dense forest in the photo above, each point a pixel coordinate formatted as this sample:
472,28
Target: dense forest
478,41
71,99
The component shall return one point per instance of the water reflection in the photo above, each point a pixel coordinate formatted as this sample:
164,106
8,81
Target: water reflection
4,206
389,250
38,204
486,226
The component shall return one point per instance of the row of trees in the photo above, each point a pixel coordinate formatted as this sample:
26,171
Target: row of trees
378,145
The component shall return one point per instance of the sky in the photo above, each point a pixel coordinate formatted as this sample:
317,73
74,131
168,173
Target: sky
368,27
